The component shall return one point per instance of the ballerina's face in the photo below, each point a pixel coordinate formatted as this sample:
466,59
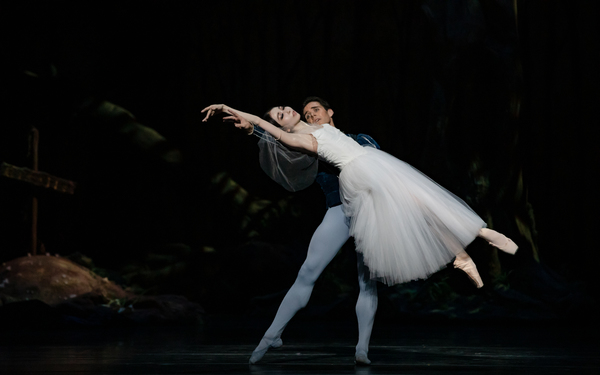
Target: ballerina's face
286,117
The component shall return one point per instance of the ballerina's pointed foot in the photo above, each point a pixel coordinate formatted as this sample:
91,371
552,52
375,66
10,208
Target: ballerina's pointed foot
262,348
361,359
498,240
468,266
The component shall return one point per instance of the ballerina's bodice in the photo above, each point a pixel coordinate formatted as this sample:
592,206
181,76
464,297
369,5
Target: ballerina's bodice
335,147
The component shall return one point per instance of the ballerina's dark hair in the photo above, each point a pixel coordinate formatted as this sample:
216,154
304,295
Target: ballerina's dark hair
267,117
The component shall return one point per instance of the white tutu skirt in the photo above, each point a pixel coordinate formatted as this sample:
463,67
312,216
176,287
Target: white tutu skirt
405,224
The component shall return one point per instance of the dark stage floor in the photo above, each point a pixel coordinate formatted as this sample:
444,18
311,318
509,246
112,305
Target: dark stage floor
223,346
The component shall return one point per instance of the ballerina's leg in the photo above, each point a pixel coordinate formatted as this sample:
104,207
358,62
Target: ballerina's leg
498,240
464,262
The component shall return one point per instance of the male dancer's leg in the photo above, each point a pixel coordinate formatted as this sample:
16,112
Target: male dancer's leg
327,240
366,306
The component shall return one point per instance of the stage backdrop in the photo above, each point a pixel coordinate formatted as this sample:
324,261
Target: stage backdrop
495,100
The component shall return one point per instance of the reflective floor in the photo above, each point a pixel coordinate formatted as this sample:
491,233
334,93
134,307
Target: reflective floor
223,346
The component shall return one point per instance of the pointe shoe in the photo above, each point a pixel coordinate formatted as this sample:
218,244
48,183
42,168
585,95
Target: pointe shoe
361,359
257,354
498,240
468,267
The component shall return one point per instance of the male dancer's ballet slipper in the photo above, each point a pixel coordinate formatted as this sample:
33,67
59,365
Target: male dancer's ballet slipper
361,359
468,266
498,240
264,345
278,343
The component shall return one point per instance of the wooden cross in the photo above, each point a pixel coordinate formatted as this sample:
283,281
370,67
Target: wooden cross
37,178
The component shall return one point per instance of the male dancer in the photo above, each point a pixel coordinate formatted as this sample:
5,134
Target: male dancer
327,240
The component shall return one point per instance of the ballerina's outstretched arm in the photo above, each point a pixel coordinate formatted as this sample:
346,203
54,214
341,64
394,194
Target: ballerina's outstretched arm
244,120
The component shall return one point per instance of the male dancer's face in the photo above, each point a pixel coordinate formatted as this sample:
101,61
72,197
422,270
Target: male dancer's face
315,113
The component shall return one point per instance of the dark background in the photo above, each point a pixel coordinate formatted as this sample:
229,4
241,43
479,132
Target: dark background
499,108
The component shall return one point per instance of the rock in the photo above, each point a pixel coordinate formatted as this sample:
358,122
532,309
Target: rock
55,291
52,280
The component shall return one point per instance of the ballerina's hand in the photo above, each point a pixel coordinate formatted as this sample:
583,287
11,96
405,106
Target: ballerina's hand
214,109
238,121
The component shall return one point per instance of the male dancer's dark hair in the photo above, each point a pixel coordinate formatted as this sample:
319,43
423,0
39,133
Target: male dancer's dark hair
316,99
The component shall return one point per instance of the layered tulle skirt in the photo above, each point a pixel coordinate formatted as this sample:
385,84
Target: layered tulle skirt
405,224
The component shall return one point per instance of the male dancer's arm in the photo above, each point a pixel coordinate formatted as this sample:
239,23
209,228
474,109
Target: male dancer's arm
365,140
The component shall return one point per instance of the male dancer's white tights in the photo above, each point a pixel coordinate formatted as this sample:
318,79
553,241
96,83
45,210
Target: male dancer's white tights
327,240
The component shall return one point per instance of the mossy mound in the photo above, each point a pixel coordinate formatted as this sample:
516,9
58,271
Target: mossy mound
52,280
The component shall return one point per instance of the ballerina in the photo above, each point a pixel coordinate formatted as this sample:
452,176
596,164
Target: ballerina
405,226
